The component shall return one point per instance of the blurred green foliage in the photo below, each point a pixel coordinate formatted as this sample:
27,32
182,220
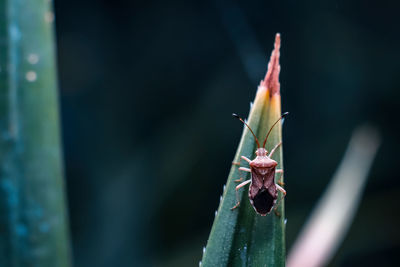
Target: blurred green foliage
33,221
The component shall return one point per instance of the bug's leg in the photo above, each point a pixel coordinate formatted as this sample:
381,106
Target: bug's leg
238,162
246,159
279,201
280,177
281,189
274,149
237,193
244,169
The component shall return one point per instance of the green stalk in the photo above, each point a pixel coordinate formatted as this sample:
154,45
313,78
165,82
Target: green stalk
242,237
33,221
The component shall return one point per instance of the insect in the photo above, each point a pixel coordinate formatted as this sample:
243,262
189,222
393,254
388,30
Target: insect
263,189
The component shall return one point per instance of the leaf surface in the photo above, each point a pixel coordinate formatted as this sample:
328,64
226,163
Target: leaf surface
242,237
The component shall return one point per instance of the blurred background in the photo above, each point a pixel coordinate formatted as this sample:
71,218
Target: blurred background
147,89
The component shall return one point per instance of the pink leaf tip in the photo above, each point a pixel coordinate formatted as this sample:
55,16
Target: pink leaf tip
271,80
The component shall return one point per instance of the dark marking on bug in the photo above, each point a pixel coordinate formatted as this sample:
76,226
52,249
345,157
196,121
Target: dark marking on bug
263,201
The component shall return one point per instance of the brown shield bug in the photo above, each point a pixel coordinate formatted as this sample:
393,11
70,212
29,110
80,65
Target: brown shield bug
263,189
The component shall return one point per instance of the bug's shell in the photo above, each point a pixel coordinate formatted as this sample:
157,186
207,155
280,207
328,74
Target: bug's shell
262,192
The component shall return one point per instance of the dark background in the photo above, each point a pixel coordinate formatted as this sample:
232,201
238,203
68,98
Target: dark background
147,90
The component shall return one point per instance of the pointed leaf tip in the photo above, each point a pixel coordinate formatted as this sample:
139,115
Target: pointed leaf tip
271,80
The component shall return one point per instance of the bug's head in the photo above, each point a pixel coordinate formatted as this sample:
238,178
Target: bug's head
261,152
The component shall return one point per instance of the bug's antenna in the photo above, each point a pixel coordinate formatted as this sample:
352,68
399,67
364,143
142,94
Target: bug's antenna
266,138
237,117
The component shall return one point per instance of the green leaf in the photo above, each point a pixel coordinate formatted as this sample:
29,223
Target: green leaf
32,203
242,237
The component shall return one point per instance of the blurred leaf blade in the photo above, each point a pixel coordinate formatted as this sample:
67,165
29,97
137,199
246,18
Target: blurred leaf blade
32,198
242,237
332,217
